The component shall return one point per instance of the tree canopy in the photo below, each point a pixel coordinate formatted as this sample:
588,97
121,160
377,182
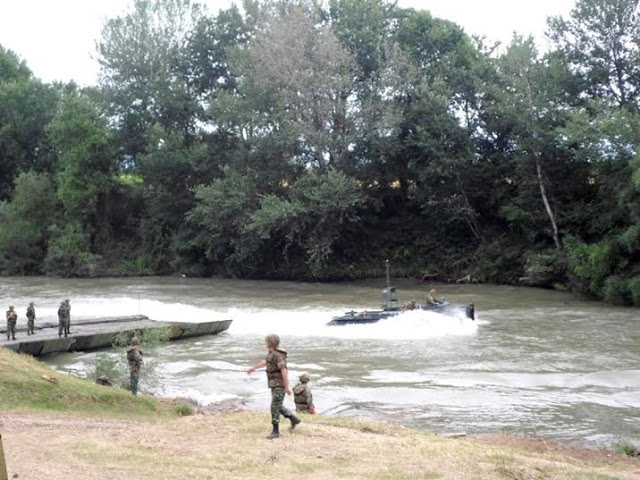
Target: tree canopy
313,140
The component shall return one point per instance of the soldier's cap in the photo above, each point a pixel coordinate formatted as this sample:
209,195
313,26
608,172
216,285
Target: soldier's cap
31,303
67,300
135,341
10,307
304,378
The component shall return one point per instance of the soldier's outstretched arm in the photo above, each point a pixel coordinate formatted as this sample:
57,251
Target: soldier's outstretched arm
256,366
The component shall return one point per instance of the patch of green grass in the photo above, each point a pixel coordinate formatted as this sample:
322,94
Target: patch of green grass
27,384
627,449
183,410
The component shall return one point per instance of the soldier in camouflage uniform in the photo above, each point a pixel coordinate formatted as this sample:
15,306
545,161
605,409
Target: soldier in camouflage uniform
12,319
278,382
134,357
67,318
62,319
302,396
31,319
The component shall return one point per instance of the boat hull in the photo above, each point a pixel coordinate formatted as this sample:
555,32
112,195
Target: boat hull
373,316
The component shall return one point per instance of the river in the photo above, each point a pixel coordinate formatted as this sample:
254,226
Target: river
534,362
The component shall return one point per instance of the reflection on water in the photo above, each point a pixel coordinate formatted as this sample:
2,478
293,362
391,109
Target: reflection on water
535,362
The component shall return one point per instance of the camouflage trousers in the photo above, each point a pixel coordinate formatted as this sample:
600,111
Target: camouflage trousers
277,407
31,323
63,326
134,377
11,330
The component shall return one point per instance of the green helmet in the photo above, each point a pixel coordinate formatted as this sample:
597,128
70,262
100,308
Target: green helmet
304,378
273,339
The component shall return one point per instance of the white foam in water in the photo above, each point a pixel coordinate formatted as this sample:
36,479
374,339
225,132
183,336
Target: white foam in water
197,396
417,324
124,306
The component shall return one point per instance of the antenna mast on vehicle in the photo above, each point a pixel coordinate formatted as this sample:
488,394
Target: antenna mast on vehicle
388,279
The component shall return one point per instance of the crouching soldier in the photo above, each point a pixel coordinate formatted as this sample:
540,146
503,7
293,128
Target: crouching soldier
134,357
303,397
278,382
31,319
12,319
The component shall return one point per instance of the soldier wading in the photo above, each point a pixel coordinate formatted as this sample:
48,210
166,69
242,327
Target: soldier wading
278,381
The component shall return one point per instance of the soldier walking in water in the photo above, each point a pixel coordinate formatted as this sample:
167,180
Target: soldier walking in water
278,382
31,319
62,319
134,357
12,319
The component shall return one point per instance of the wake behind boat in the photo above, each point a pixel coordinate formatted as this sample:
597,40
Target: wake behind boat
390,308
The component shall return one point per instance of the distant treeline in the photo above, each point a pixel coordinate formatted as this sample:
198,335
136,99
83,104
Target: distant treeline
295,139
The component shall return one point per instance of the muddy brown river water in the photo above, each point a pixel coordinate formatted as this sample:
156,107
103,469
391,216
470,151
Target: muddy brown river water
535,362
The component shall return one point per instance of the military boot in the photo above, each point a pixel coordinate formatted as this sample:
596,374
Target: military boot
294,420
275,433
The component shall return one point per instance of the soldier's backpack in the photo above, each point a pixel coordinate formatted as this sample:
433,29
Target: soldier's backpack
131,355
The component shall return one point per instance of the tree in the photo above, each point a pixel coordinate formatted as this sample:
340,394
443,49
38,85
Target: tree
25,222
307,78
86,168
599,42
144,74
526,113
26,107
311,219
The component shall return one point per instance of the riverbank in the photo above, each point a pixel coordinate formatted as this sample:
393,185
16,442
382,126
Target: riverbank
71,429
65,446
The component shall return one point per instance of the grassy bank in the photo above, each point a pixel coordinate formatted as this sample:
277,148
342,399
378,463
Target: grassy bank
25,384
113,435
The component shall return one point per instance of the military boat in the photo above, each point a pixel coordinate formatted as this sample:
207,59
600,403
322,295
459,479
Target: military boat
390,308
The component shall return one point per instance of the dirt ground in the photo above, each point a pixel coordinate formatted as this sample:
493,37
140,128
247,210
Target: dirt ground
57,446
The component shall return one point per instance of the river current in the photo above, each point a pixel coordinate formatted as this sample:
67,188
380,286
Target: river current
534,362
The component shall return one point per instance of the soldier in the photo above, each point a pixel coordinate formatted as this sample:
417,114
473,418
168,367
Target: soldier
278,382
62,319
31,319
134,357
303,397
12,319
431,299
67,318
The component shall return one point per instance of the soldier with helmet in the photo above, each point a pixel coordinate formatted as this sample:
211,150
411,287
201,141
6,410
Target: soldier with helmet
302,395
278,381
12,319
31,319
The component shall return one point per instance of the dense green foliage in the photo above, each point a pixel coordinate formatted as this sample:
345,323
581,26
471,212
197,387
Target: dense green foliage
314,140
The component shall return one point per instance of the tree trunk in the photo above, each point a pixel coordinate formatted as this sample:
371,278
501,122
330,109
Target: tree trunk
547,205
